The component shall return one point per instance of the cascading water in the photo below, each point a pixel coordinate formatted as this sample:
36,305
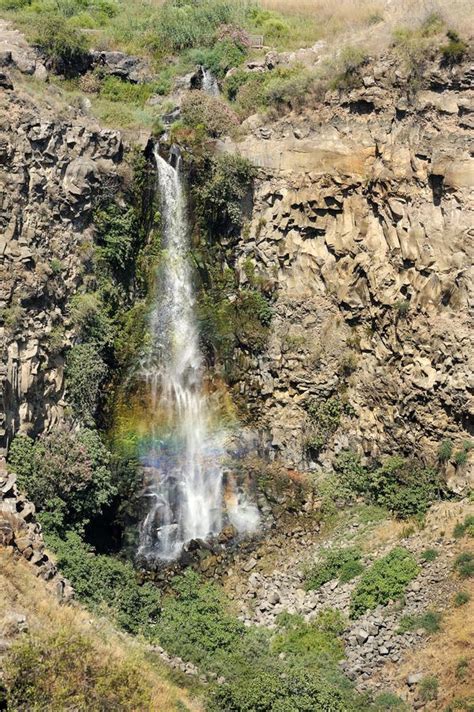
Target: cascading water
209,83
184,480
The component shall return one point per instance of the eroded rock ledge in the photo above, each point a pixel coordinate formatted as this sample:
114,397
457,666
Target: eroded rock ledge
364,221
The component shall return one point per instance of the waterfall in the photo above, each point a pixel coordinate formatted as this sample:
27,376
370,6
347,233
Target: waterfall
183,462
209,82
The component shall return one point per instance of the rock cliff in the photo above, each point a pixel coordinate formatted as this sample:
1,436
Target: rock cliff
50,169
362,217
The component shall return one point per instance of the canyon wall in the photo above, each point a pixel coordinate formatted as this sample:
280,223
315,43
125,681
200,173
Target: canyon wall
51,166
362,218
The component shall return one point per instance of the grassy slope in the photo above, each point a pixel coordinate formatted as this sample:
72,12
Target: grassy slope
21,592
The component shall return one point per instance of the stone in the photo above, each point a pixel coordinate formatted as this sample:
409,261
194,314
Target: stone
5,80
361,635
41,73
414,678
249,565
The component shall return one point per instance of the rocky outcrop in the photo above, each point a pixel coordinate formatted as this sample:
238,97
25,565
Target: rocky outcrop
50,170
20,533
363,219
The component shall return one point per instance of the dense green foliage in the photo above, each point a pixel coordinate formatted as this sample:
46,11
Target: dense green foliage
196,624
85,371
64,46
62,670
385,580
106,584
343,564
66,474
404,486
199,111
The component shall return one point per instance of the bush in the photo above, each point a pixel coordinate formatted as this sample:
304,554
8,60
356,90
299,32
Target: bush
464,564
324,418
195,623
430,621
465,528
64,46
222,184
343,564
453,52
89,317
445,451
85,371
315,642
428,688
116,89
66,474
64,670
299,691
198,109
429,554
116,234
185,24
461,598
107,585
348,66
385,580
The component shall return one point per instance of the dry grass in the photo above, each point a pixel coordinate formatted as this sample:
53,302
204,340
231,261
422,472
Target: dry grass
21,592
440,657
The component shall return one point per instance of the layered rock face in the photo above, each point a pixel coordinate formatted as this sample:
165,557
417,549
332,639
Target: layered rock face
363,218
50,170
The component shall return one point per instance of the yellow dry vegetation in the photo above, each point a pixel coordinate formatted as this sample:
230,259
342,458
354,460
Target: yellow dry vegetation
446,655
89,664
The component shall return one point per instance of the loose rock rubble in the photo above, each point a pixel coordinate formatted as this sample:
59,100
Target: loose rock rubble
21,533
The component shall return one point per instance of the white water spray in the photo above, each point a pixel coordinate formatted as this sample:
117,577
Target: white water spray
183,466
209,83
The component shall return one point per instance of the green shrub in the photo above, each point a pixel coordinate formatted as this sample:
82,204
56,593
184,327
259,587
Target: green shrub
429,554
461,598
343,564
56,266
404,486
66,474
116,89
220,188
107,585
315,641
465,528
191,24
85,372
298,690
464,564
402,307
430,621
348,66
445,451
64,670
116,234
194,621
199,109
64,46
324,418
428,688
224,55
460,458
453,52
385,580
